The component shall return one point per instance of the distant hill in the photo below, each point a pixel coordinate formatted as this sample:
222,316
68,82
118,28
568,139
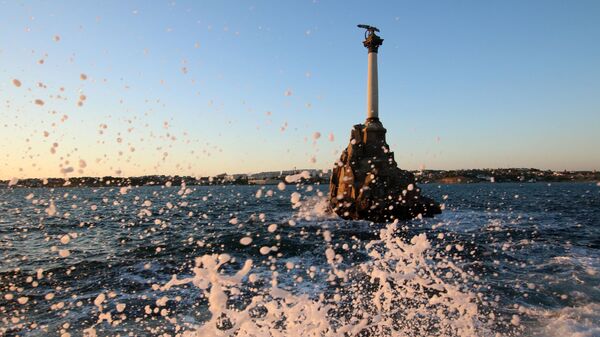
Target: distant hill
311,176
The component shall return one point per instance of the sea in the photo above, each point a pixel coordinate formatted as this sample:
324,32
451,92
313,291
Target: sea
503,259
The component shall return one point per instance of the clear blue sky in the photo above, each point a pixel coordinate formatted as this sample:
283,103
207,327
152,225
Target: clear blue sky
206,87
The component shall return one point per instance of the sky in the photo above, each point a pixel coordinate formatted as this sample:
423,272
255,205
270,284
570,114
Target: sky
207,87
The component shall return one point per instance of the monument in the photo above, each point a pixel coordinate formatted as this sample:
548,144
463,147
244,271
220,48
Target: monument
366,182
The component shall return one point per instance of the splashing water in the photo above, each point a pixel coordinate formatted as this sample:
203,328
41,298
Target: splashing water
399,292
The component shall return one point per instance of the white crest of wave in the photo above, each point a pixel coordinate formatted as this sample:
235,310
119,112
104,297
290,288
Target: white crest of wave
315,208
580,321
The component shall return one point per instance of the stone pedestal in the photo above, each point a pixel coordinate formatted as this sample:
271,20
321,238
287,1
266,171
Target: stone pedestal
367,184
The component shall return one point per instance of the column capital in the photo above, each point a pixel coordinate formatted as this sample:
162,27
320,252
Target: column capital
372,41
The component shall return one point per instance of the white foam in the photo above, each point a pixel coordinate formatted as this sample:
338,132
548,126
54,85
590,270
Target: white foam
400,294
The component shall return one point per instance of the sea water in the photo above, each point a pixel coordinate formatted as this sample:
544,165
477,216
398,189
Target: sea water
501,260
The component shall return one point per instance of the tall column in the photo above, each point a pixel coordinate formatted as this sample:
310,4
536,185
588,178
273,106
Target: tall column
372,88
372,43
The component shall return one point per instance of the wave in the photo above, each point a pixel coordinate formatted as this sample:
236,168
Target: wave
403,290
313,208
579,321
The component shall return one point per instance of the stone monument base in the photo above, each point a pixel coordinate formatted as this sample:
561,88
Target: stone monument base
367,184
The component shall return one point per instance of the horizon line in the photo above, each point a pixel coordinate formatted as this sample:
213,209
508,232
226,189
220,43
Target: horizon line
298,170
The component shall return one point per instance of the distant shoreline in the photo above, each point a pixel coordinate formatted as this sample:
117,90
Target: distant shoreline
520,175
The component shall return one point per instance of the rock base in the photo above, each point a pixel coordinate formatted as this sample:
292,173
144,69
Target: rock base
367,184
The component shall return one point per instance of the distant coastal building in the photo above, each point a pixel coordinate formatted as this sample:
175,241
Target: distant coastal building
275,177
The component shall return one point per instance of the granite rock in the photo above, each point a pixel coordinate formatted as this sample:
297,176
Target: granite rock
367,184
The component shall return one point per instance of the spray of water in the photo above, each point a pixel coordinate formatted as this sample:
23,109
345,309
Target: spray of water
400,291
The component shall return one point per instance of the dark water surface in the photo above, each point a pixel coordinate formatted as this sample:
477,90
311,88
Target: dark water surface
507,259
